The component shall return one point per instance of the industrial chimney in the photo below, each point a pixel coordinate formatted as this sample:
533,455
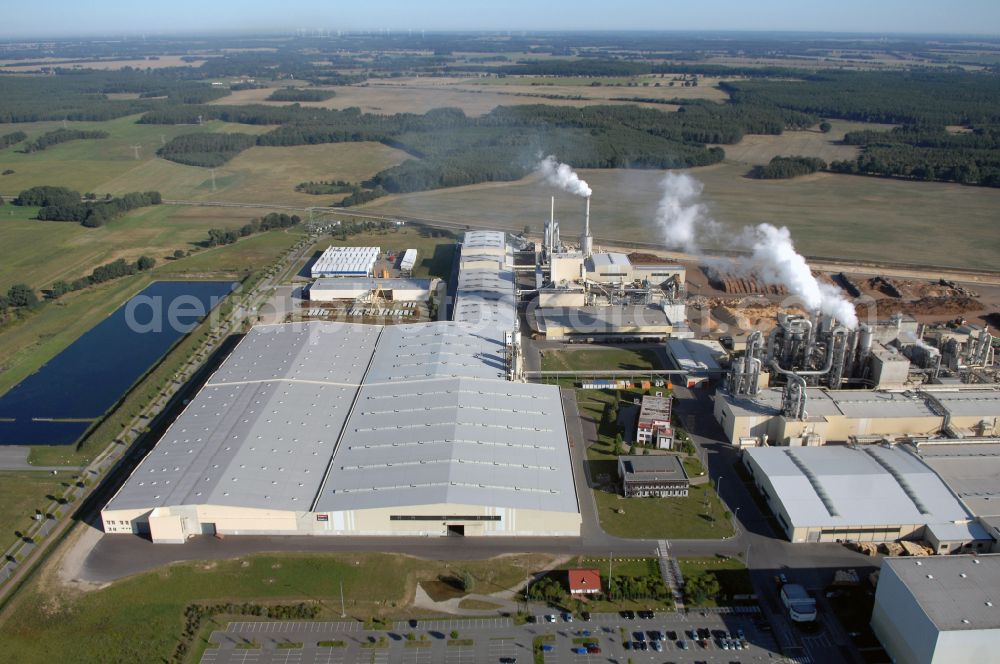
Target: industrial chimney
586,242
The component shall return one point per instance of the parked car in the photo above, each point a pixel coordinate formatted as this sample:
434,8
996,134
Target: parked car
683,645
593,649
550,618
628,615
585,616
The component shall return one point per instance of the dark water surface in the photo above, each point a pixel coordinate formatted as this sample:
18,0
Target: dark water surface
86,379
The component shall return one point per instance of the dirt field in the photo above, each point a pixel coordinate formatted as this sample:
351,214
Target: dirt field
140,63
475,96
831,215
756,149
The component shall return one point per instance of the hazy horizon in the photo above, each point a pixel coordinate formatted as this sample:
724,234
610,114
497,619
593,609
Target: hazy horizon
65,19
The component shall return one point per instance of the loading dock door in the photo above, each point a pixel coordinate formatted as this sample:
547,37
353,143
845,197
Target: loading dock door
456,531
208,529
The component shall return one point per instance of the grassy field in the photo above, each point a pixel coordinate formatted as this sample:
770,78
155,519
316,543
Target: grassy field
87,165
21,493
662,518
755,149
260,174
140,618
479,96
829,215
596,359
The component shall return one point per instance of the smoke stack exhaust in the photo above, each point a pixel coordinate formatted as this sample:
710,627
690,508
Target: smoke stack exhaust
586,242
552,227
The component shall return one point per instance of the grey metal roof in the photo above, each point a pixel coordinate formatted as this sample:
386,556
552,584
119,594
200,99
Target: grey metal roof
970,403
833,486
423,404
460,441
341,283
653,468
956,592
972,471
602,320
423,351
857,404
605,260
474,240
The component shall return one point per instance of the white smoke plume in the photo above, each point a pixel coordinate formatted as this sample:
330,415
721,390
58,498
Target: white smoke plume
685,223
562,176
683,220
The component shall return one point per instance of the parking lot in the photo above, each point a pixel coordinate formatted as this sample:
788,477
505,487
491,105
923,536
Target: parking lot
499,640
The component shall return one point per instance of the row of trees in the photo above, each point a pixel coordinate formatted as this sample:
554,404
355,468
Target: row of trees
325,187
10,139
916,97
50,138
271,221
787,167
94,214
47,195
927,153
206,149
301,94
107,272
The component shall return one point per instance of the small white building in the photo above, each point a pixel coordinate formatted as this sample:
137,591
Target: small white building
346,262
939,609
408,261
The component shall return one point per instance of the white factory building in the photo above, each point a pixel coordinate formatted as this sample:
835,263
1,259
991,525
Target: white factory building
352,288
939,610
872,493
340,429
339,261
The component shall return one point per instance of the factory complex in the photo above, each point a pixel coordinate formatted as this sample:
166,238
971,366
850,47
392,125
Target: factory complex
326,428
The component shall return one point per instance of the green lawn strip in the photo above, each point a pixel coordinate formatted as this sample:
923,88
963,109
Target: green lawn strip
330,644
44,625
585,640
460,642
663,518
600,359
22,492
248,645
536,646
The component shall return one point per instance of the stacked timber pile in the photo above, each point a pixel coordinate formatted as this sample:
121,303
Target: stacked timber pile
741,284
885,285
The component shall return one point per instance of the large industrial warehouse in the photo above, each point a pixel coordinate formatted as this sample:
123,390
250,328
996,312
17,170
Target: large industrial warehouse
341,429
872,493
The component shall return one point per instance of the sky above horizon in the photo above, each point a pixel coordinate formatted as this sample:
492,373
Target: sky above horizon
111,17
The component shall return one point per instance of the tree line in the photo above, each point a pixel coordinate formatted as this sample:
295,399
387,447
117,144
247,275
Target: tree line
273,220
787,167
12,138
914,97
925,152
62,204
301,94
113,270
324,187
50,138
207,149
